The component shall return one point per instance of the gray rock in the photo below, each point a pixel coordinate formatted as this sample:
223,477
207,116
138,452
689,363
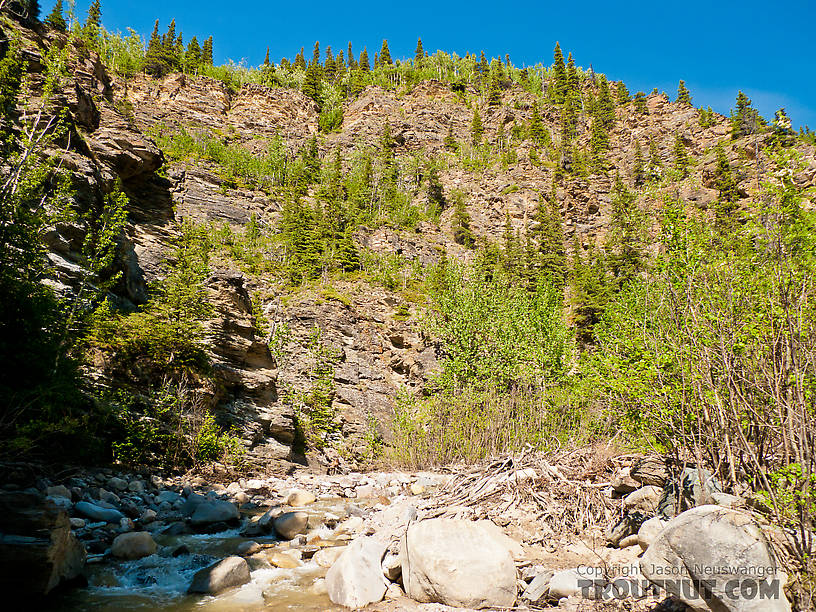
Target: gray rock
216,511
133,545
63,503
715,558
96,513
291,524
170,497
355,579
644,499
570,583
299,497
118,484
220,576
457,563
649,530
58,491
193,501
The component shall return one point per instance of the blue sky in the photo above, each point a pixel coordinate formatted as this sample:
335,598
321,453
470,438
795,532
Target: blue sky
718,48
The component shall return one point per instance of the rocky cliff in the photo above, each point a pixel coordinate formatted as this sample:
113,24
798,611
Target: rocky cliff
379,348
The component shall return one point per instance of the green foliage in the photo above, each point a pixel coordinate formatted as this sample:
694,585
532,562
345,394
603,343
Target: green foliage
640,103
460,225
683,94
476,127
317,423
682,162
55,18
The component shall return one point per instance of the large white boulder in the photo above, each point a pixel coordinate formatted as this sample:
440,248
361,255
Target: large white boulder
457,563
356,578
716,558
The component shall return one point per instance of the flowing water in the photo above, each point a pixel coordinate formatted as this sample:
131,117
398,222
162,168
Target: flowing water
160,582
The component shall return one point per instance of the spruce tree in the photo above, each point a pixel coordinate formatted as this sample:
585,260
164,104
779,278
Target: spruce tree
312,83
419,54
494,91
476,127
573,85
621,93
93,21
639,169
536,128
590,292
462,234
351,61
266,58
746,120
569,118
605,105
628,238
316,53
450,141
300,61
436,195
55,18
559,84
385,54
207,52
329,66
364,65
654,170
640,103
726,184
156,61
681,158
683,94
548,233
192,57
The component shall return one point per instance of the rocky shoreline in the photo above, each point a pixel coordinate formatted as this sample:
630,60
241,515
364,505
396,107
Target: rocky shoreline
390,541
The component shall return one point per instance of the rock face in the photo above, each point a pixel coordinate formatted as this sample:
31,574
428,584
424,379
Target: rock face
133,545
218,577
38,551
356,579
457,563
717,559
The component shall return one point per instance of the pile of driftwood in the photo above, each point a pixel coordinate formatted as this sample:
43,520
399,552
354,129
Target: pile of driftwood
569,491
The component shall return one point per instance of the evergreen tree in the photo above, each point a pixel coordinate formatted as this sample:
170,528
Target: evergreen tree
207,52
746,120
419,54
351,61
654,170
385,54
192,57
605,105
300,61
681,158
462,234
93,21
621,93
436,195
782,129
450,141
573,85
639,169
726,184
156,62
683,94
55,18
494,92
266,59
316,53
312,84
569,119
376,60
476,127
548,233
559,85
511,252
590,291
364,65
628,237
640,103
536,129
329,66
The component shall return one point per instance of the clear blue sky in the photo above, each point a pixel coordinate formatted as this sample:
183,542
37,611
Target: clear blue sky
766,49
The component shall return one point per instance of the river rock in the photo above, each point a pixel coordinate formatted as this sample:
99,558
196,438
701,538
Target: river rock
299,498
649,531
569,583
644,499
97,513
216,511
220,576
248,548
58,491
650,470
290,524
284,559
623,483
325,557
356,580
133,545
457,563
721,549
